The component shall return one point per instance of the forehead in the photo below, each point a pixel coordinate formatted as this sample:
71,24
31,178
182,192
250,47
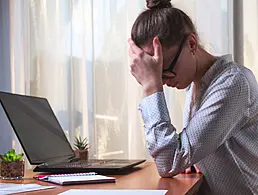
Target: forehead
148,49
167,52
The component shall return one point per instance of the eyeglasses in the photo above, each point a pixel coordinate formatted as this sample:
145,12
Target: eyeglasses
173,63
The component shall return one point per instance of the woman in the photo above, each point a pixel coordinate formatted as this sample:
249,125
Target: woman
220,128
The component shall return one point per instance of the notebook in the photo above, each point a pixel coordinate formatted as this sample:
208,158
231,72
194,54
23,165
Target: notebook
76,178
113,192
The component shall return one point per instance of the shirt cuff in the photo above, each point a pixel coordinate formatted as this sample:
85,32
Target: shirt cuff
154,110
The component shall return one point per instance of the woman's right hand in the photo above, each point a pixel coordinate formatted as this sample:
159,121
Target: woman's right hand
147,69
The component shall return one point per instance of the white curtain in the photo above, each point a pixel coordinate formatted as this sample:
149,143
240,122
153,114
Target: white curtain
74,53
251,35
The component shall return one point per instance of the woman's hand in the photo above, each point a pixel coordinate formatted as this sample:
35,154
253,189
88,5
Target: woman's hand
189,170
147,69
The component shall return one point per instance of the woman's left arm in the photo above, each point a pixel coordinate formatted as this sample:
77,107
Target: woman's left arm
222,111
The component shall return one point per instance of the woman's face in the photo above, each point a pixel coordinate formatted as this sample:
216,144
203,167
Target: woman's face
179,63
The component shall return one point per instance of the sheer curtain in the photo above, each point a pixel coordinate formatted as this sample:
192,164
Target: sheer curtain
250,17
58,71
74,53
43,61
118,129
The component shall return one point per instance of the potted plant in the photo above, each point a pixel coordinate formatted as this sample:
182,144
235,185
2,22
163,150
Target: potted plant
81,147
11,165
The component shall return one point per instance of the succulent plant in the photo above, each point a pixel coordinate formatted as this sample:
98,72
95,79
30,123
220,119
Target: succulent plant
81,144
10,156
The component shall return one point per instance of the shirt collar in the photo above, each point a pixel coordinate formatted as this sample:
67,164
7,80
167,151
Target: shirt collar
216,68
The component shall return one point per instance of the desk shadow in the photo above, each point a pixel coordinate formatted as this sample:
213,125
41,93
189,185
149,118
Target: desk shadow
27,179
127,171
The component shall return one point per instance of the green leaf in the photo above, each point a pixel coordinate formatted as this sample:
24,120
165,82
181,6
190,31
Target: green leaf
12,151
6,159
80,144
18,157
10,156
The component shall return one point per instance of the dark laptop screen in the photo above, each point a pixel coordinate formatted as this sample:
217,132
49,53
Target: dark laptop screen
36,126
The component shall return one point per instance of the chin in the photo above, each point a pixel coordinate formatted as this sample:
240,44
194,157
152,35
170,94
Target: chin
180,87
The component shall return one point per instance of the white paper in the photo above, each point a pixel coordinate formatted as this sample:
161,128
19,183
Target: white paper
114,192
9,188
88,178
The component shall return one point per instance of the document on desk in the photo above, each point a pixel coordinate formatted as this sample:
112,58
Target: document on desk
9,188
114,192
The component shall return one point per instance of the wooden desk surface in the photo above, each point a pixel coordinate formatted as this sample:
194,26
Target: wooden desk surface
144,177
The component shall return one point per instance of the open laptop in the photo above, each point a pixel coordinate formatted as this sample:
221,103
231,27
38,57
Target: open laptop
44,141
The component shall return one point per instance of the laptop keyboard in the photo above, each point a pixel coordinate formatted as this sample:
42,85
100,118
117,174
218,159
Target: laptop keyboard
76,164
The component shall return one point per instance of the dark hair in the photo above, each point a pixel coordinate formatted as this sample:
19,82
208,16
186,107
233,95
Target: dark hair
163,20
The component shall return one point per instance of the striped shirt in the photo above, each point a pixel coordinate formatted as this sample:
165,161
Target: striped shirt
220,133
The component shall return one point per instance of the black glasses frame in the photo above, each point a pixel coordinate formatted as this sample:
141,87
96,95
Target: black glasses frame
173,63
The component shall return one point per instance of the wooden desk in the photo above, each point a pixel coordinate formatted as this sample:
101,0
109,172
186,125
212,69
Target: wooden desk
144,177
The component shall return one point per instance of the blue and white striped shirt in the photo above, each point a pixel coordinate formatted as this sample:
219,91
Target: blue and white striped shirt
220,136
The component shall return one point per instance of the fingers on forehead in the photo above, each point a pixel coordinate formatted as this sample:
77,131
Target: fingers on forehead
134,47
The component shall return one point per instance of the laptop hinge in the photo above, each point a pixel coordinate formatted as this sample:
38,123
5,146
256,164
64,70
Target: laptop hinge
73,158
57,161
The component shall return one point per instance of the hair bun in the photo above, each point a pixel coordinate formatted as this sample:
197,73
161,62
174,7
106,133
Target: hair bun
152,4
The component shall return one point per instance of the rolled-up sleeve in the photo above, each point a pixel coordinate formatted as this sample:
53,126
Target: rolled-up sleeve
220,111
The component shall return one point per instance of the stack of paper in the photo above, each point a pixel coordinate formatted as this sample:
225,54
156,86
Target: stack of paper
77,178
9,188
114,192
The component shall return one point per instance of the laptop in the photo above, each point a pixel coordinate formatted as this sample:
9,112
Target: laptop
44,142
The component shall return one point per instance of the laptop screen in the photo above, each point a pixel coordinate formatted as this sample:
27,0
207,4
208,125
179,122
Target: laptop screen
36,127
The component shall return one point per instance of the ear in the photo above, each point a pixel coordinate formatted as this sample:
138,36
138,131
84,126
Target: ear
192,43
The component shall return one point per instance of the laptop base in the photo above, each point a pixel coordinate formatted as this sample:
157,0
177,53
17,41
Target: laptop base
106,167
